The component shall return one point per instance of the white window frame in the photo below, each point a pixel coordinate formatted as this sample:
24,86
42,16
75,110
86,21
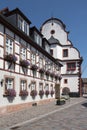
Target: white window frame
9,82
23,25
33,59
33,86
23,53
47,87
40,86
23,84
9,46
40,62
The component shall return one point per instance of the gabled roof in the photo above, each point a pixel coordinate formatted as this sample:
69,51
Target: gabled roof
16,11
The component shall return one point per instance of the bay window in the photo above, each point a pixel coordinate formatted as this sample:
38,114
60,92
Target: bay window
71,66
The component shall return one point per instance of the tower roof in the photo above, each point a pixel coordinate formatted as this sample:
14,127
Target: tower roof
53,40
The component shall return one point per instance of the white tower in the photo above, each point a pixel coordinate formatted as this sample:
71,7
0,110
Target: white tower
62,49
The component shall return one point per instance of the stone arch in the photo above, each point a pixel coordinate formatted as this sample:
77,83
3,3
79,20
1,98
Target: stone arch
65,91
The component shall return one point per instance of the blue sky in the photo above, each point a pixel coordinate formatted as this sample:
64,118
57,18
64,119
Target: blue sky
73,13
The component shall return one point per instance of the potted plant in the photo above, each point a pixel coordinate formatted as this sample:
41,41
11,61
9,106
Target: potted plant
10,58
56,76
41,70
41,93
60,101
24,63
52,92
47,92
60,78
47,72
23,93
52,74
11,92
34,67
33,93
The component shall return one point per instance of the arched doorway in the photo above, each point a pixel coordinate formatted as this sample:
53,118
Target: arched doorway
65,91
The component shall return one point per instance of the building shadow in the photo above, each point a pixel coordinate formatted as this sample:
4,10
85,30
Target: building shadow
84,104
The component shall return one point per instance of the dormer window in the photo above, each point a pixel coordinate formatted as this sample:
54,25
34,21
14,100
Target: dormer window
38,39
23,25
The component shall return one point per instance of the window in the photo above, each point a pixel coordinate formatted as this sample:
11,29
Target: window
23,84
42,75
26,28
33,86
23,53
65,81
40,62
65,91
47,87
65,53
9,46
51,52
38,39
71,66
33,58
9,83
51,87
47,48
40,86
22,24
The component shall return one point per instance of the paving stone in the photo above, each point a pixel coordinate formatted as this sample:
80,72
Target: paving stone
63,118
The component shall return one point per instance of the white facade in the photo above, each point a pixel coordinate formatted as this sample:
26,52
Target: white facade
54,30
19,77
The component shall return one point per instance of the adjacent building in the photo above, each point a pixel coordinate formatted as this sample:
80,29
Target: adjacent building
84,85
61,48
28,73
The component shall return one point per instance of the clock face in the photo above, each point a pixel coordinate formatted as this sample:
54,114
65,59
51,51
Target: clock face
52,31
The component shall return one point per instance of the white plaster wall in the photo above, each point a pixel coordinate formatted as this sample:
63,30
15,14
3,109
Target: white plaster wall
16,68
64,69
1,52
59,34
17,49
3,100
1,63
73,53
72,83
57,51
17,100
1,40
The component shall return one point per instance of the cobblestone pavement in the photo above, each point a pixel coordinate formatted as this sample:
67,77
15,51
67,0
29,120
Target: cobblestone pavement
71,116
